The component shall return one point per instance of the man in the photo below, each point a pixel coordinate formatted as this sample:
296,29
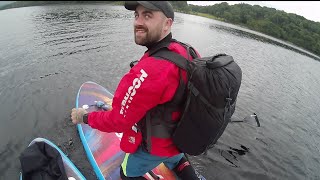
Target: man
146,97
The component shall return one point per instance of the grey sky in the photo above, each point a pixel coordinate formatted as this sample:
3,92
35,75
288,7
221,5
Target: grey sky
308,9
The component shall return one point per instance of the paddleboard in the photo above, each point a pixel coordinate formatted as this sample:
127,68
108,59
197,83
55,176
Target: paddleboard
71,170
103,149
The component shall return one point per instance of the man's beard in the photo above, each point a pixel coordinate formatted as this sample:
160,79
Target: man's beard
149,38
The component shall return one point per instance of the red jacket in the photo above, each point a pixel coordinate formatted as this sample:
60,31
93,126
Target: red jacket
149,83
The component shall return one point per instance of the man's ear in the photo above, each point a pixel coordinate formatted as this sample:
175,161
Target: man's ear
168,24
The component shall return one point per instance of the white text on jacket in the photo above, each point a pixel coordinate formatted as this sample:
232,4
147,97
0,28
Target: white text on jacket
132,90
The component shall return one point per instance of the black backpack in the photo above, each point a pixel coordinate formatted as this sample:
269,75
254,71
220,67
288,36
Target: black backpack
212,89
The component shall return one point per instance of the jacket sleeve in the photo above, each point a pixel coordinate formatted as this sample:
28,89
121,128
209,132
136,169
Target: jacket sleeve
147,84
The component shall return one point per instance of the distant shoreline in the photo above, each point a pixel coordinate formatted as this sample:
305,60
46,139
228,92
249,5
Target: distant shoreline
307,53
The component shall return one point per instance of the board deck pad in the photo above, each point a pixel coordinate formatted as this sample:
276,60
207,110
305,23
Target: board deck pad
103,149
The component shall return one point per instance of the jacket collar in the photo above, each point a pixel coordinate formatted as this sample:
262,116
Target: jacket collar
159,45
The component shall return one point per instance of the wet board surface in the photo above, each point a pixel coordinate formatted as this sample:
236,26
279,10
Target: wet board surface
103,149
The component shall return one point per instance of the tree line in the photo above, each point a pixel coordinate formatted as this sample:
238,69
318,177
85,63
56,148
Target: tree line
279,24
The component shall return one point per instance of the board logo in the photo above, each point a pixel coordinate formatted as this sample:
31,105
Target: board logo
132,90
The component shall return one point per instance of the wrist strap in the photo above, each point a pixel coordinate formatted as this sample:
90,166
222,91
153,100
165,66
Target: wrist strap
85,118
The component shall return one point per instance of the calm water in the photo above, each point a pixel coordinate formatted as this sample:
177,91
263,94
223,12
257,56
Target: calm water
47,52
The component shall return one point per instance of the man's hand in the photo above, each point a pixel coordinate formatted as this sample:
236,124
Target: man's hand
77,115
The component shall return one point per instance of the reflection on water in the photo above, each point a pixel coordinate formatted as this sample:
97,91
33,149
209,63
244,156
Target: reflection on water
231,154
47,52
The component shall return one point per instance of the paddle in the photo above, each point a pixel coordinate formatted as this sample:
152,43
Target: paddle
253,118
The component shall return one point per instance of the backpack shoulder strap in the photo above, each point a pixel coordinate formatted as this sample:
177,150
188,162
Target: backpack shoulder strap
173,57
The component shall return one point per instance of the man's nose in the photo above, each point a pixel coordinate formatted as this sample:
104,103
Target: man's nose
138,21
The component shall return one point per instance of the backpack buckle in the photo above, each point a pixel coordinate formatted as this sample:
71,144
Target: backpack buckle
132,63
229,99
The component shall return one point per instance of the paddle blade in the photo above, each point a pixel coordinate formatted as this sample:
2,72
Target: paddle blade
252,119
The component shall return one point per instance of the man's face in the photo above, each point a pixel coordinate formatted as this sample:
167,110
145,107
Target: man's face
148,26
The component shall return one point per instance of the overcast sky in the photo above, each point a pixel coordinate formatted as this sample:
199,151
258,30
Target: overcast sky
308,9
